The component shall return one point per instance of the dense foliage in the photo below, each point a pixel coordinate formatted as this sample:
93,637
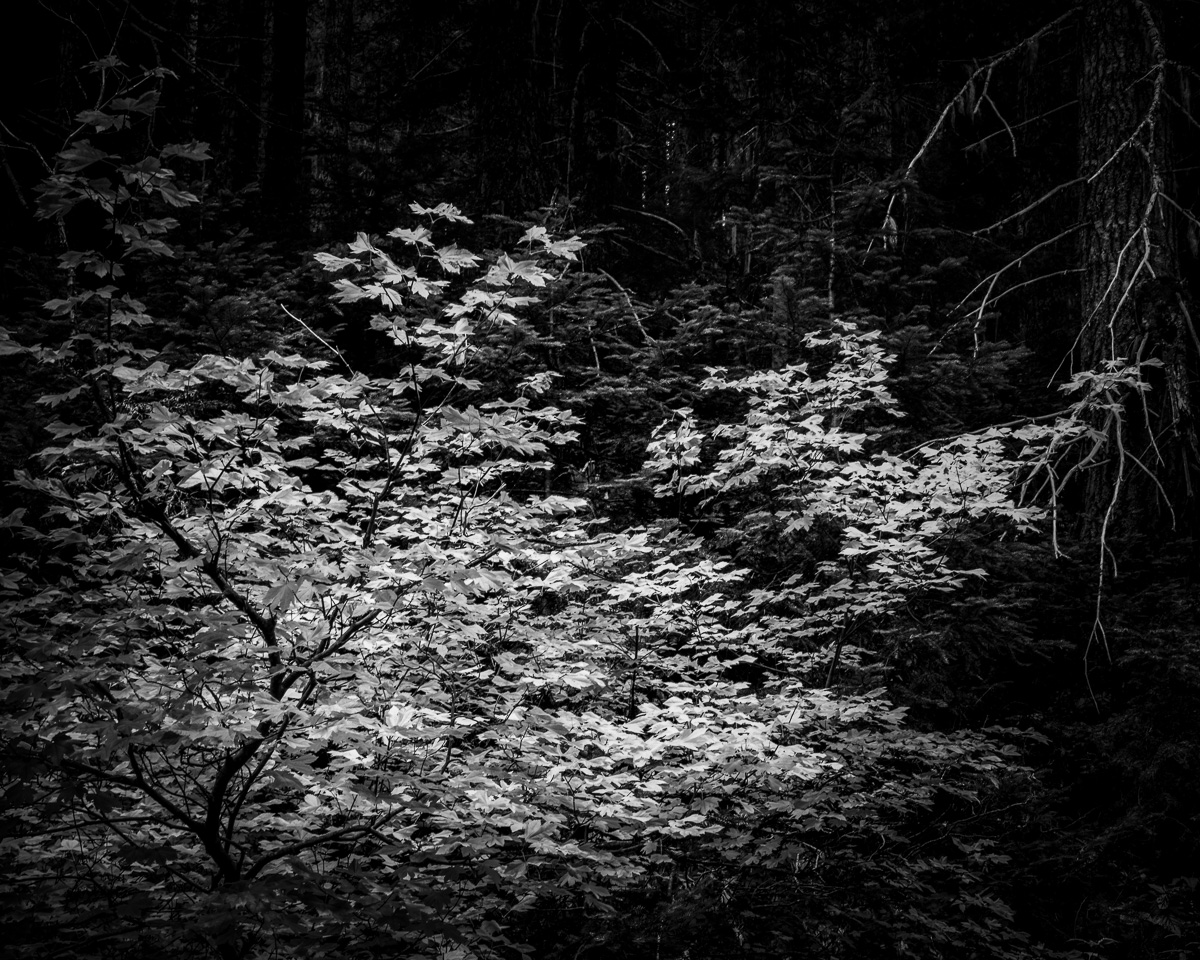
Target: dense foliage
696,564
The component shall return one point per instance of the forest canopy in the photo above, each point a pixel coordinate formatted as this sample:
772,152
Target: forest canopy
565,479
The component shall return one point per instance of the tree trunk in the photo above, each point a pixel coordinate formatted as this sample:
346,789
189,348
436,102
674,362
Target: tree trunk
248,89
511,112
187,26
333,210
1133,299
283,187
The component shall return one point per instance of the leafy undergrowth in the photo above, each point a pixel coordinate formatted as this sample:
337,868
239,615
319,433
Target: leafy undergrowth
302,660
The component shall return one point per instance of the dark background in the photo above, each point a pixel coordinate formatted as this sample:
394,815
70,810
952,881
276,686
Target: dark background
754,160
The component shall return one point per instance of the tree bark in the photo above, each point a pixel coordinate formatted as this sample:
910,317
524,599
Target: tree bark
283,187
332,207
512,112
248,88
1133,296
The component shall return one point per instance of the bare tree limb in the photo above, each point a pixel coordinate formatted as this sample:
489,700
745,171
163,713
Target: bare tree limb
301,845
983,71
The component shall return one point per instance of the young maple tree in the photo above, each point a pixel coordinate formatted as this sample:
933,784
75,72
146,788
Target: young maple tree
292,669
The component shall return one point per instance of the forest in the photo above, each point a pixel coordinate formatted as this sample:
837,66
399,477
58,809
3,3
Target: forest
586,479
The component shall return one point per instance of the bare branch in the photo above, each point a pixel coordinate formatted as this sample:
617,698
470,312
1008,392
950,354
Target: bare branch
991,281
1018,126
984,71
210,831
301,845
276,736
1031,207
629,300
325,651
1147,122
111,824
265,625
1000,116
653,216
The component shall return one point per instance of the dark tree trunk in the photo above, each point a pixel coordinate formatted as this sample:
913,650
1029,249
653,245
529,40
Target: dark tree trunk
246,140
337,55
511,111
333,208
283,186
1133,298
186,17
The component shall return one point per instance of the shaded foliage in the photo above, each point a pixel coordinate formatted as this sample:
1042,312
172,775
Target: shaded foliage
722,559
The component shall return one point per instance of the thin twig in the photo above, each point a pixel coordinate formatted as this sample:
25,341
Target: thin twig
653,216
986,69
633,310
1031,207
